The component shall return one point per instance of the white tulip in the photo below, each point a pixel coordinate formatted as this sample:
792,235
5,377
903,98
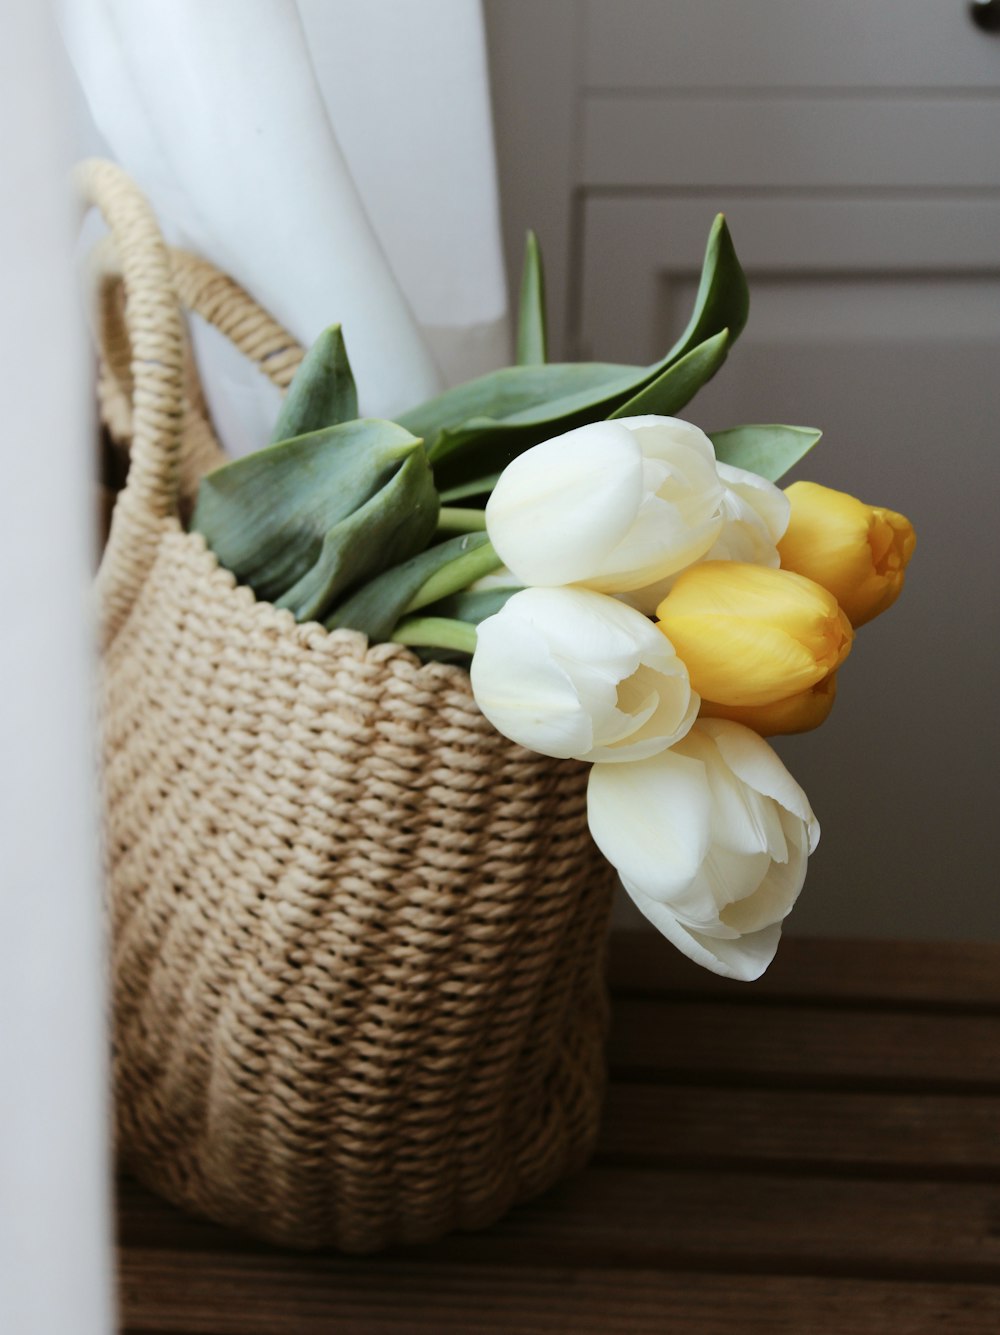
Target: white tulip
572,673
710,840
612,506
755,515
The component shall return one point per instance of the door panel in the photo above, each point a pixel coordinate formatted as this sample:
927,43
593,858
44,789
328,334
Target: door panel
897,357
756,143
640,259
855,148
785,44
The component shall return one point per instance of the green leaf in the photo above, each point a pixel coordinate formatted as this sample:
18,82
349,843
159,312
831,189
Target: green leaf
396,522
477,428
478,559
516,399
679,383
473,605
723,297
377,606
266,516
531,337
436,633
482,446
769,451
323,391
478,486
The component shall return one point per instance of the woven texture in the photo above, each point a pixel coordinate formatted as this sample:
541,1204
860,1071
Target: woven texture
357,934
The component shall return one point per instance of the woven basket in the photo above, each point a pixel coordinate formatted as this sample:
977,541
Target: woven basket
357,935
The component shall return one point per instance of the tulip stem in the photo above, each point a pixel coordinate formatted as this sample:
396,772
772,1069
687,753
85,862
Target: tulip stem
453,519
436,633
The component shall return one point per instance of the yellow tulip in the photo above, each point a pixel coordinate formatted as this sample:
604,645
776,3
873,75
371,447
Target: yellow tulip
796,713
752,635
859,552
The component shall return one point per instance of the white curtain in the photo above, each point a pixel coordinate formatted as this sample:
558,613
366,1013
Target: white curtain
54,1225
335,156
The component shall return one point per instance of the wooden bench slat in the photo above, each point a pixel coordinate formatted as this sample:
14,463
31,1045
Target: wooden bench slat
640,1218
234,1295
816,1152
798,1044
919,972
928,1135
762,1224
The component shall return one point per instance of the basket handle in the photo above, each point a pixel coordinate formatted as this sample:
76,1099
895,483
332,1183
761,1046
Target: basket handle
157,340
156,282
220,300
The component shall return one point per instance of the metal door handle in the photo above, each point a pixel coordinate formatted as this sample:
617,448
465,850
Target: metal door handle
985,14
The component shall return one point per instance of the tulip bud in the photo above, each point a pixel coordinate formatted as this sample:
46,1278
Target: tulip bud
711,840
749,635
859,552
572,673
614,505
796,713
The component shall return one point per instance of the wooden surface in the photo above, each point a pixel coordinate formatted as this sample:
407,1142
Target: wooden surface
817,1152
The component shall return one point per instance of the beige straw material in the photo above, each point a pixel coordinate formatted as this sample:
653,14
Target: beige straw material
200,288
357,934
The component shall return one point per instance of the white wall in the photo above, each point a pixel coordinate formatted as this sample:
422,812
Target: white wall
54,1224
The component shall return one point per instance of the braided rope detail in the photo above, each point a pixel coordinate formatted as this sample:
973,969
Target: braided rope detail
157,344
201,288
221,301
358,935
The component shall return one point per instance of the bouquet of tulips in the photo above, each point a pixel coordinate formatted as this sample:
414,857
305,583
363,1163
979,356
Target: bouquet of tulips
626,590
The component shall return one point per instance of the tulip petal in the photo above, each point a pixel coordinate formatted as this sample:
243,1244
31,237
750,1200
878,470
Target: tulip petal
751,635
650,819
634,710
675,704
775,897
739,820
859,552
743,821
686,477
598,644
524,691
751,591
558,509
722,877
744,958
768,502
827,536
570,668
742,663
733,876
758,765
591,629
755,515
612,506
725,912
797,713
654,429
660,542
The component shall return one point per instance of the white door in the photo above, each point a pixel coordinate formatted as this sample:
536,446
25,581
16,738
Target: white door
855,149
